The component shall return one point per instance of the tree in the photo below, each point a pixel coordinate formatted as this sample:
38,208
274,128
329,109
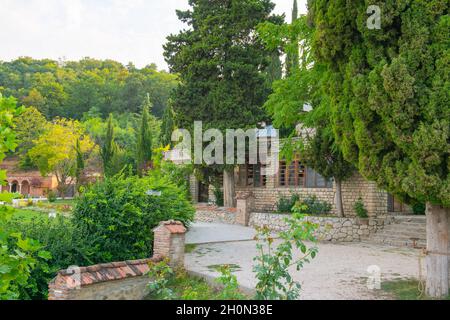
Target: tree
30,124
316,147
79,164
220,62
292,57
144,140
8,110
109,147
388,91
167,127
55,151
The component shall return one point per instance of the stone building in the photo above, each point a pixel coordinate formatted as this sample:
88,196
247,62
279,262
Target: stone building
295,178
28,183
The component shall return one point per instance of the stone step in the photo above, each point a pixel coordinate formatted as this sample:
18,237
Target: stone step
401,231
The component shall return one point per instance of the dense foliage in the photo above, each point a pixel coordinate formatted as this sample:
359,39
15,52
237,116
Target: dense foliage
118,214
388,91
222,67
69,89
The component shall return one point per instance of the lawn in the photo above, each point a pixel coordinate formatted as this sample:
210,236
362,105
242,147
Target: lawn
405,289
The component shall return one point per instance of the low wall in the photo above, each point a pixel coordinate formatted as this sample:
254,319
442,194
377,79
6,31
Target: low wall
211,213
126,280
111,281
330,228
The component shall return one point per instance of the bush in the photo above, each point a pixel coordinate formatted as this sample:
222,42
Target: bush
419,209
316,206
117,215
20,257
51,196
218,194
360,209
285,204
60,239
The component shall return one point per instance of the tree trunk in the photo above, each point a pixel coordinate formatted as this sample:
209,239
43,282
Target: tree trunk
437,251
339,204
229,193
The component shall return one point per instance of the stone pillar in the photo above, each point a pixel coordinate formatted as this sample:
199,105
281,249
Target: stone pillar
169,242
20,187
245,206
194,188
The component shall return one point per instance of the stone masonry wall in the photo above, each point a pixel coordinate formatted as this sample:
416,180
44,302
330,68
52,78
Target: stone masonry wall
374,199
212,213
330,228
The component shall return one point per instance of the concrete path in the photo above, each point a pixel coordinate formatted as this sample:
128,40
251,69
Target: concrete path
338,272
201,232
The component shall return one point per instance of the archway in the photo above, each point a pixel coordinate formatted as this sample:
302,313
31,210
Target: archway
14,186
26,189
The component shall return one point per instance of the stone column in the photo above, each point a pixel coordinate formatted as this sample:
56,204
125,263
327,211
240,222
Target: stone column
20,187
245,206
169,242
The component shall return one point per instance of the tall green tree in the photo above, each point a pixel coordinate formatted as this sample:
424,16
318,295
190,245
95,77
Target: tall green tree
302,87
167,126
108,148
220,61
389,92
144,140
292,57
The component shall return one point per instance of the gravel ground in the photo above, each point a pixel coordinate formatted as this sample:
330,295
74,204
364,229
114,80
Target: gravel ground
339,272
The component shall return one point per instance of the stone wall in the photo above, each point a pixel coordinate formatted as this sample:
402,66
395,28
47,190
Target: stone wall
330,228
212,213
375,200
126,280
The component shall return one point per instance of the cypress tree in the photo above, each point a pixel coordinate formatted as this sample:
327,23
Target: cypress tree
292,57
144,140
108,149
389,91
167,126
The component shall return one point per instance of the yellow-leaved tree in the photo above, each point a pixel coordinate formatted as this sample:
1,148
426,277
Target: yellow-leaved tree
55,151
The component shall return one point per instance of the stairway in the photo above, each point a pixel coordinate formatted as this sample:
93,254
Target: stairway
404,231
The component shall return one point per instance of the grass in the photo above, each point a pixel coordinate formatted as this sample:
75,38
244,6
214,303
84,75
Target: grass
186,287
232,267
405,289
29,214
189,248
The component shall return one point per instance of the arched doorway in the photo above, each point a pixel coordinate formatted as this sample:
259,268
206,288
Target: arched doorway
15,186
26,190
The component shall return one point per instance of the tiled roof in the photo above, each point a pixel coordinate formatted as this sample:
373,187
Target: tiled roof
103,272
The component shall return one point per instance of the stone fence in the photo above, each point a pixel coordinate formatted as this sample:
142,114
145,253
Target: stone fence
127,280
212,213
329,228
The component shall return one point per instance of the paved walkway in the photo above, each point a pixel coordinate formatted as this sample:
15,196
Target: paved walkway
338,272
202,232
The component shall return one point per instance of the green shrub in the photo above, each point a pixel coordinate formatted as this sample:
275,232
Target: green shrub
218,194
51,196
285,204
60,239
117,215
316,206
20,257
360,209
419,209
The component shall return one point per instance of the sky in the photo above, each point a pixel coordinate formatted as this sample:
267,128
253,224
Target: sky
122,30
